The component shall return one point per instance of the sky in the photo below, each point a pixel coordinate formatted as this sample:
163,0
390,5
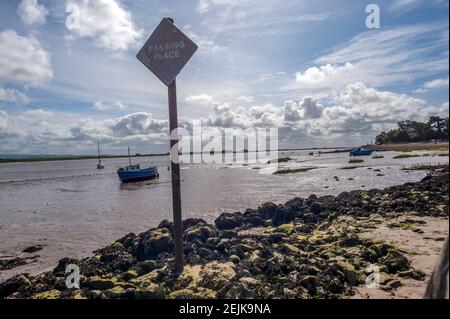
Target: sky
312,69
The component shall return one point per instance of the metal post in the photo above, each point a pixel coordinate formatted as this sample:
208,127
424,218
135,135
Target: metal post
176,184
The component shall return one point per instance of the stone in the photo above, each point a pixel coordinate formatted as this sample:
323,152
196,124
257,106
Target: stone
349,272
130,274
152,291
309,282
155,242
215,275
395,262
98,283
188,294
202,233
227,221
288,229
51,294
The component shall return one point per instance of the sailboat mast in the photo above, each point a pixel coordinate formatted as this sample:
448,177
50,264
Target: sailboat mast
98,147
129,156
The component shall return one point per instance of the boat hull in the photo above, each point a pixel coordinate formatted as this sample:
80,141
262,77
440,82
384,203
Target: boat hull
138,175
361,153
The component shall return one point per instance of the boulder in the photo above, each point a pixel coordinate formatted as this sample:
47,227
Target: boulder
52,294
288,229
202,233
228,221
153,243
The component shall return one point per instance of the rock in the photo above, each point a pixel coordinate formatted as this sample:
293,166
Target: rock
130,275
252,218
127,240
394,284
236,291
153,243
349,272
14,284
282,216
309,282
215,275
291,249
202,233
228,221
188,294
315,208
268,210
193,222
152,291
155,276
52,294
395,262
228,234
98,283
413,274
33,249
288,229
235,259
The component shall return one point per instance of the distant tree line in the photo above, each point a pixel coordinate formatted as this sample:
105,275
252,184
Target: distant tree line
411,131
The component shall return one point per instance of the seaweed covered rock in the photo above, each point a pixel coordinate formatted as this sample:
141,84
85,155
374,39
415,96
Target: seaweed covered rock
227,221
153,243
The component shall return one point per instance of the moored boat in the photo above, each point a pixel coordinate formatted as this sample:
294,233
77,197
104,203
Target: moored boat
100,165
361,152
134,173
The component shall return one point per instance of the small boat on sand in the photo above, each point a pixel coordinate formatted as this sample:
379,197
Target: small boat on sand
361,152
134,173
100,165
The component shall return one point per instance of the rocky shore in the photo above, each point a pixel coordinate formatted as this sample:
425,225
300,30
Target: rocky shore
307,248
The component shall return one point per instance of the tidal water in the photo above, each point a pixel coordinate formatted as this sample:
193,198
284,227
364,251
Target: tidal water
72,209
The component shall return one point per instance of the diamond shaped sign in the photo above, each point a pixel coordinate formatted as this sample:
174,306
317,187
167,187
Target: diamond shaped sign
167,51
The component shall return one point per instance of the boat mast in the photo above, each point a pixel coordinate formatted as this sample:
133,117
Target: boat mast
98,147
129,156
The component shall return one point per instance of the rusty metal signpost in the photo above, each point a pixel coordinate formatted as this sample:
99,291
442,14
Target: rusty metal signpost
165,53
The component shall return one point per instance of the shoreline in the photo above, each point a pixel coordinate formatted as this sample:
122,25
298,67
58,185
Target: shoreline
306,248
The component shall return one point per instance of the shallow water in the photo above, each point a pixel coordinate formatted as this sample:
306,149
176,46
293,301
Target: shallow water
73,209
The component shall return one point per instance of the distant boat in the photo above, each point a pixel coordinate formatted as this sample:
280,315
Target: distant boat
134,173
100,165
361,152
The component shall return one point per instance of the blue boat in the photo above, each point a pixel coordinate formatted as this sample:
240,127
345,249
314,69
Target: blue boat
134,173
361,152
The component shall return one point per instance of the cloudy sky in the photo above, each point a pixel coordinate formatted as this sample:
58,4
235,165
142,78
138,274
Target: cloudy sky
311,68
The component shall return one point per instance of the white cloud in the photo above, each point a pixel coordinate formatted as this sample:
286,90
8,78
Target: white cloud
140,123
326,76
31,12
201,99
380,58
14,96
437,84
102,106
23,60
308,108
106,21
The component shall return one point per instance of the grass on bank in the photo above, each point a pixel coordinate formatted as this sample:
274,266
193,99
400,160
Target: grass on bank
378,157
411,147
294,170
355,161
280,160
405,156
